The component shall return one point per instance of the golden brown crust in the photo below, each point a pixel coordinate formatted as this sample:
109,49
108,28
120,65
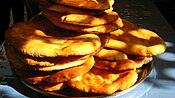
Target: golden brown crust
67,74
83,19
33,77
136,41
103,81
43,39
122,64
27,73
87,4
45,4
111,54
11,55
42,64
58,63
100,29
53,87
53,61
26,62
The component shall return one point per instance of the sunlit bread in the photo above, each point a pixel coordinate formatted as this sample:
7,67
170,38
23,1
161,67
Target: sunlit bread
100,29
135,40
83,19
104,81
111,54
87,4
31,75
45,4
43,39
125,64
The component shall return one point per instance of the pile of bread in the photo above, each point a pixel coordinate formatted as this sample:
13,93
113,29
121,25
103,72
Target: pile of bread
80,44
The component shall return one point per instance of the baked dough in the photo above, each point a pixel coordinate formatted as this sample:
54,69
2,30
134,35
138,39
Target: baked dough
100,29
103,81
125,64
83,19
43,39
135,40
26,73
111,54
52,87
67,74
87,4
45,4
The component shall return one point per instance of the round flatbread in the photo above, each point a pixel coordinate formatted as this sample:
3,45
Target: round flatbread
67,74
52,87
45,4
87,4
84,19
135,40
125,64
43,64
111,54
43,39
30,75
53,61
100,29
103,81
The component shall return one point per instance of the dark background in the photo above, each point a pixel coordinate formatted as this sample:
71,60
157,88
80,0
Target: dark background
167,8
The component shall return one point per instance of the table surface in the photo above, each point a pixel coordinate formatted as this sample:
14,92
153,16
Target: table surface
161,81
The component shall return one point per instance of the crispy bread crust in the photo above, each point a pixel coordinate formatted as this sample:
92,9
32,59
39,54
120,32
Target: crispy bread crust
43,39
84,19
87,4
111,54
135,40
45,4
103,81
122,64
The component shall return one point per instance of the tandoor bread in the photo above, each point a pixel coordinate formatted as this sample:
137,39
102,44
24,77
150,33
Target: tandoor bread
87,4
135,40
43,64
125,64
35,75
55,77
105,82
67,74
111,54
53,87
60,62
84,19
100,29
42,39
45,4
80,44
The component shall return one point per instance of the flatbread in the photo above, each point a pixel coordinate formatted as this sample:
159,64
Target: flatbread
103,81
100,29
43,64
87,4
52,87
33,77
67,74
53,61
84,19
26,73
43,39
111,54
125,64
45,4
135,40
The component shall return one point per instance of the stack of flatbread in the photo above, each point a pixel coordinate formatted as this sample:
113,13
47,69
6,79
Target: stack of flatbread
80,44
